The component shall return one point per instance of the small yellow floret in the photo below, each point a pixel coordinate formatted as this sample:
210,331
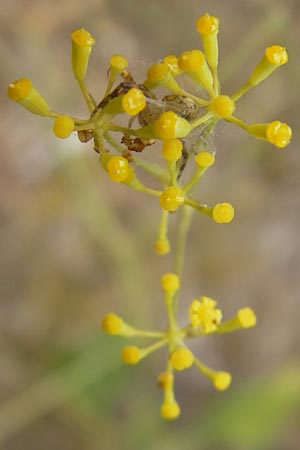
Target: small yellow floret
246,318
19,89
223,106
170,282
112,323
118,168
181,359
131,354
204,159
172,63
162,246
276,55
118,63
279,133
223,212
172,149
171,198
63,126
169,125
170,410
82,38
222,380
191,60
133,101
207,24
158,72
205,314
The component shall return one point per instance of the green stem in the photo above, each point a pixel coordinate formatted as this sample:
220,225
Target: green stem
90,104
183,227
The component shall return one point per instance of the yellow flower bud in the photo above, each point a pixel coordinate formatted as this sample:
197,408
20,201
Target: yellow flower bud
133,101
277,133
181,359
23,92
194,63
208,27
171,198
82,42
222,380
112,323
246,318
204,159
118,168
223,106
162,246
170,410
169,126
223,212
118,63
63,126
172,63
160,74
170,282
274,57
172,149
131,354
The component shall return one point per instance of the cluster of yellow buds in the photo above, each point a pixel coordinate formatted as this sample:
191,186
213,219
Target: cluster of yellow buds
169,119
204,318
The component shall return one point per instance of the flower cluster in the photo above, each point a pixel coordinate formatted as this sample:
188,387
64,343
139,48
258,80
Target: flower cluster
170,120
204,318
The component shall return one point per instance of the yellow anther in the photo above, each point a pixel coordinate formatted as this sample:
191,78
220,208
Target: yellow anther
82,42
131,354
171,198
162,246
172,63
182,358
207,24
246,318
170,282
63,126
279,133
223,106
118,63
223,212
204,313
221,380
170,410
118,168
172,149
23,92
133,101
169,126
276,55
204,159
112,323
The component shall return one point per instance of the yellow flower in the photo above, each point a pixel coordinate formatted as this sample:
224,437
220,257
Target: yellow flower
82,42
118,169
131,354
169,126
23,92
172,149
223,106
170,410
204,159
112,323
204,313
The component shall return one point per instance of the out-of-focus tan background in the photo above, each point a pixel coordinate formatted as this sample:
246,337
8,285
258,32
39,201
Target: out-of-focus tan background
75,246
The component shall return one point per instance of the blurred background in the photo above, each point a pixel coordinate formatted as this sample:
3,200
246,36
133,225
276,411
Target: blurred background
75,246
